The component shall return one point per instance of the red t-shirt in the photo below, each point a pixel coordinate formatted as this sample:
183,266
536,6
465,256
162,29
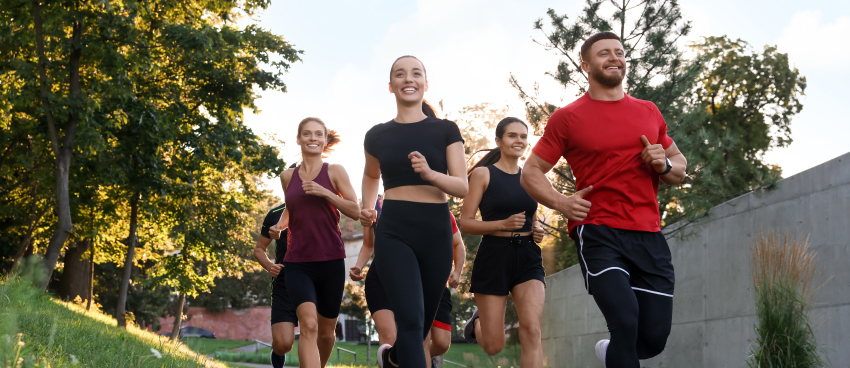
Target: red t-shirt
601,142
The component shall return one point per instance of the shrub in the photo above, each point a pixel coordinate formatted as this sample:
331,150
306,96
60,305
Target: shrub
783,270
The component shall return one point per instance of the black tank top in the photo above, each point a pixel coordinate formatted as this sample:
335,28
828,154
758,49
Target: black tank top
505,197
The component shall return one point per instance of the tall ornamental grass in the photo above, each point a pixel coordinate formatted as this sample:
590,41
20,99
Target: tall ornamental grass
783,270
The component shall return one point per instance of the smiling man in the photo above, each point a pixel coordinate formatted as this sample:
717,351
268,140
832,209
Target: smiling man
618,149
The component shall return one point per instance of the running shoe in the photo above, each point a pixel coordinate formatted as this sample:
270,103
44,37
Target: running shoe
384,355
601,349
469,329
278,361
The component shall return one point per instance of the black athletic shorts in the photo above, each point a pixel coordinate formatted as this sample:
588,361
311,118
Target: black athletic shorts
321,283
643,256
443,319
376,299
504,262
282,308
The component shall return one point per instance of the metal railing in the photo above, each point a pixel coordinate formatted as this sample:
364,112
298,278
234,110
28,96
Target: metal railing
347,351
453,363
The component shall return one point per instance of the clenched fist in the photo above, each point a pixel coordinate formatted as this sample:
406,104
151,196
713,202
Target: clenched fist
654,155
575,207
515,222
420,166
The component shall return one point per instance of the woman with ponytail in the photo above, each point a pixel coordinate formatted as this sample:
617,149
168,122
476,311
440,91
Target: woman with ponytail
314,265
421,160
508,258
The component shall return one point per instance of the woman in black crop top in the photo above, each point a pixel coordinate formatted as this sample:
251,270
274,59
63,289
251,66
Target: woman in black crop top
420,159
508,258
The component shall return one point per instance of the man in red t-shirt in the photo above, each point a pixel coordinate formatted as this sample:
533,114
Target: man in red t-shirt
618,148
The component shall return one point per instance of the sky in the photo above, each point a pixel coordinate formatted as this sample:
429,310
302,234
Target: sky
471,47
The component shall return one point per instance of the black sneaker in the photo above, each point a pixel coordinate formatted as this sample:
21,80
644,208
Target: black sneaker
469,329
278,361
384,356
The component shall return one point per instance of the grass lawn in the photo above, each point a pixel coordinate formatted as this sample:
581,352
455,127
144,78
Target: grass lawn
210,346
45,332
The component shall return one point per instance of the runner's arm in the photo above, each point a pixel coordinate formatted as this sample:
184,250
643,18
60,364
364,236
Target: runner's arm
369,189
680,164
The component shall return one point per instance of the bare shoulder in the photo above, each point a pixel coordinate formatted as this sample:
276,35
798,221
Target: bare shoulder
337,170
286,177
480,176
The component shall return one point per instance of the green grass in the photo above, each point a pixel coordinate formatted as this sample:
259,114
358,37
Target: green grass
44,332
210,346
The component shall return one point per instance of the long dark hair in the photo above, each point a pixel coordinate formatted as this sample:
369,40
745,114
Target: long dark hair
495,154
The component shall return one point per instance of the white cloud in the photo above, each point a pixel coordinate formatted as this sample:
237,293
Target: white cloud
813,44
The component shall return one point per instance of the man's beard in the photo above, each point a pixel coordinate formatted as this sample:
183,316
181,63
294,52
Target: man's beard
598,74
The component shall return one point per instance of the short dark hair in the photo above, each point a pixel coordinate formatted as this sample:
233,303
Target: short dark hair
588,43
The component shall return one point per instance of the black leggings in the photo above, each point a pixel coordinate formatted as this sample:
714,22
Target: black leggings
413,244
639,321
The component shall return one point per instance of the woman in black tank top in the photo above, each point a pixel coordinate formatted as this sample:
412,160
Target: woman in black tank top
508,259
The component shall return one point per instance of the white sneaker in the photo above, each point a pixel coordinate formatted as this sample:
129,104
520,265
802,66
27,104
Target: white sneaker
601,349
381,357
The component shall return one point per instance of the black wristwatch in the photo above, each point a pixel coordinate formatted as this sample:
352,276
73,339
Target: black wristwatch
669,167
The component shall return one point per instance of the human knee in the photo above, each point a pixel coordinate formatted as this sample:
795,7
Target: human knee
652,343
281,346
491,348
530,333
309,326
327,335
440,347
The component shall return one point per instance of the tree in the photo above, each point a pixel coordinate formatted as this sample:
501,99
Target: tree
740,107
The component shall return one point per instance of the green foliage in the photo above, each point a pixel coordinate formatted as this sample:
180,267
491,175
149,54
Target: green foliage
252,289
741,107
149,97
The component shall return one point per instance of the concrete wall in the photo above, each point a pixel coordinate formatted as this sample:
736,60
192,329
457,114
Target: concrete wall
714,309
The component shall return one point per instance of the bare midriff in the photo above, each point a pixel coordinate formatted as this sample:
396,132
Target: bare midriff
416,193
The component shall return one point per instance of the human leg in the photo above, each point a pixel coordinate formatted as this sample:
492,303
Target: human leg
385,324
326,337
441,341
528,298
490,324
618,303
654,323
283,337
308,349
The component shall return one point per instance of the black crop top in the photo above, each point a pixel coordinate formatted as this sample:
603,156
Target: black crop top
505,197
391,142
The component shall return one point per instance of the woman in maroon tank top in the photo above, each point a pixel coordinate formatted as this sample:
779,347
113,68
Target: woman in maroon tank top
314,265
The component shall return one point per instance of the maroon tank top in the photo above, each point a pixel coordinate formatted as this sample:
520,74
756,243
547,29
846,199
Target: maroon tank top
313,222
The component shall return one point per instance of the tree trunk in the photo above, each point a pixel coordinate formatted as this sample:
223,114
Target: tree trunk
63,152
34,219
120,309
75,279
178,317
91,278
